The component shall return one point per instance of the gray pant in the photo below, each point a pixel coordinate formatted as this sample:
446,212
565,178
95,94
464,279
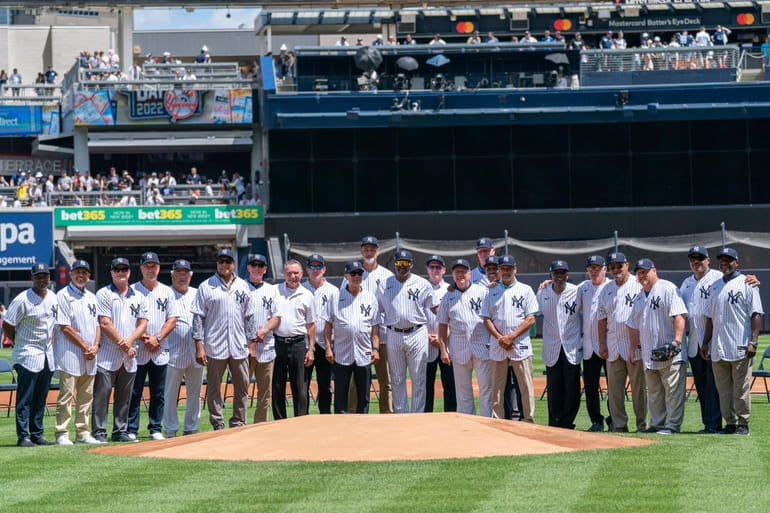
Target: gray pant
239,374
123,381
666,395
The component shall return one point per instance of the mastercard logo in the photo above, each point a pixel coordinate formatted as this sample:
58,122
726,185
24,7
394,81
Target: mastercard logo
464,27
562,24
745,19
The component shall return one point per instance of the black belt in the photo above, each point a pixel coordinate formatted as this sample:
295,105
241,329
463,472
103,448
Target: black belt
291,340
405,330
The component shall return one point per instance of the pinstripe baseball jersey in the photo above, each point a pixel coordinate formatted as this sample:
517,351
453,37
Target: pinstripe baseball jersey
124,311
266,305
227,316
478,275
161,306
439,290
507,307
461,312
730,307
588,297
695,294
652,315
561,324
324,298
297,310
373,282
615,305
181,347
77,309
33,317
352,318
406,304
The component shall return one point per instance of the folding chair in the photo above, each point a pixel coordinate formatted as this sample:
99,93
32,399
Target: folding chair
6,368
763,373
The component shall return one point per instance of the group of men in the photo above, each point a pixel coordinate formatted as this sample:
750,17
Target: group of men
128,337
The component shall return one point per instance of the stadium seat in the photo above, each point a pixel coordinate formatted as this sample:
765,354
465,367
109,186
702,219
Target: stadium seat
763,373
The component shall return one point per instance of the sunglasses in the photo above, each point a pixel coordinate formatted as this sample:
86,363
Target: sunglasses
403,263
356,273
315,267
257,264
120,270
225,261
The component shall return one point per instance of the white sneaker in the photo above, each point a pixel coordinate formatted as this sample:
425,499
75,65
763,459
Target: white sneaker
132,437
157,436
88,439
63,440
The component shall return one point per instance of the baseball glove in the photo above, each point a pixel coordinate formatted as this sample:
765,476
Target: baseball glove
664,352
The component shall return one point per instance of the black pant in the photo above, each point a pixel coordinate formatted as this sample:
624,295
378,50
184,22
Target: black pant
708,397
323,376
563,382
447,382
289,358
157,384
512,407
363,380
592,369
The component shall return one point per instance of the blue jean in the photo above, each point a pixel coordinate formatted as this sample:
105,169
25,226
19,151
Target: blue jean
157,381
702,374
363,380
31,396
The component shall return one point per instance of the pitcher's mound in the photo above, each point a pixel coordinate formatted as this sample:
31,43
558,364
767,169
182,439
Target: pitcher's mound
375,438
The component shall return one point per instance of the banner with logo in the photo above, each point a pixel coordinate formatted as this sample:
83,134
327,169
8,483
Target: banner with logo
21,120
26,238
152,215
172,107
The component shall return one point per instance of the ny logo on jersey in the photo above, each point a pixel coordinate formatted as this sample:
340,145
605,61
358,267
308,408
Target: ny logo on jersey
377,282
136,309
267,303
92,309
570,309
240,296
414,295
517,301
476,304
705,292
734,298
629,300
162,304
55,311
366,310
655,302
324,300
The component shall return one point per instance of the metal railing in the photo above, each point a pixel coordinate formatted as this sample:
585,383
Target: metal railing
660,59
166,76
30,92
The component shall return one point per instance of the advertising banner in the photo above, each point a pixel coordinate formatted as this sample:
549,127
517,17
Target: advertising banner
153,215
21,120
26,238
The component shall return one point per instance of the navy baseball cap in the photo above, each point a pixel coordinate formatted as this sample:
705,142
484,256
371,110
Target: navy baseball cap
315,257
461,262
484,242
404,255
559,265
728,253
505,260
182,264
595,260
80,264
492,260
117,262
436,258
644,263
617,257
226,252
40,268
369,239
257,258
698,250
149,258
353,266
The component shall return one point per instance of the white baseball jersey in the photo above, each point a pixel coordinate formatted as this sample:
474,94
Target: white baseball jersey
181,347
652,315
352,318
406,304
161,306
77,309
561,324
124,311
695,294
616,303
297,310
266,305
33,317
461,312
325,296
373,282
507,307
730,308
227,315
588,298
439,290
478,275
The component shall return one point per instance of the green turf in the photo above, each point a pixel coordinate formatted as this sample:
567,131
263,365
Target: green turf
681,473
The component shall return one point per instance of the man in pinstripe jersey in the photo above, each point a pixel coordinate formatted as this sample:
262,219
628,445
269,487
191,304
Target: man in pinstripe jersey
76,341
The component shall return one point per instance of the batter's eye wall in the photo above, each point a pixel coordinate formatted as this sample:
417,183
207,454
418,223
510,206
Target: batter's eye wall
683,163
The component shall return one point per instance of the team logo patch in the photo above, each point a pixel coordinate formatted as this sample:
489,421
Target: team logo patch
240,296
267,303
162,304
655,302
705,292
735,298
55,311
476,304
414,294
92,309
517,301
570,309
629,300
366,310
136,309
324,300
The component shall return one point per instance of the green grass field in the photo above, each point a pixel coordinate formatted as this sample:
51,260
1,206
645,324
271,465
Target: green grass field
682,473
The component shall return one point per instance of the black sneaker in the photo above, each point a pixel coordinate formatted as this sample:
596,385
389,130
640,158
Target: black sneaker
742,430
596,427
610,426
709,431
123,437
42,441
729,430
650,430
25,442
102,439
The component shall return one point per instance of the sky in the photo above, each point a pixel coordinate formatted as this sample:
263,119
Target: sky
200,18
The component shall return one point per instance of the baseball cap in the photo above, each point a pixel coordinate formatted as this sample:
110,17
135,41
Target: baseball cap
315,257
461,262
505,260
149,258
40,268
484,242
559,265
80,264
491,260
728,253
182,264
257,258
644,263
404,255
698,250
369,239
116,262
617,257
353,266
595,260
226,252
436,258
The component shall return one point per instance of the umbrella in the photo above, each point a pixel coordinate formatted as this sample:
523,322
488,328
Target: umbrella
557,58
367,58
438,60
407,63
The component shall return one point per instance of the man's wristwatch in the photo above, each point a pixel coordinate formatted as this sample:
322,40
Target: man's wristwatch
376,349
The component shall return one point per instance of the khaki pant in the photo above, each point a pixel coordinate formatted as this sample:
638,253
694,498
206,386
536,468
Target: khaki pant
665,396
263,375
733,381
81,388
523,371
617,373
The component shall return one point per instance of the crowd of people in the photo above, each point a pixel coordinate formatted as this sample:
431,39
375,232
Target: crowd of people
634,326
14,81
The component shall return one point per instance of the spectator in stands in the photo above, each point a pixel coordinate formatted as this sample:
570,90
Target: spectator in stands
3,81
474,39
135,72
195,194
153,181
50,75
559,37
36,196
98,183
378,41
189,75
360,41
113,59
126,179
3,202
201,57
49,187
437,40
492,39
112,180
209,189
127,200
4,182
194,178
528,38
409,40
547,37
239,185
168,184
86,181
765,53
342,42
15,81
40,91
104,201
392,41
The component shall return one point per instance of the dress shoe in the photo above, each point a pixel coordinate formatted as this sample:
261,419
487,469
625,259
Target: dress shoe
25,442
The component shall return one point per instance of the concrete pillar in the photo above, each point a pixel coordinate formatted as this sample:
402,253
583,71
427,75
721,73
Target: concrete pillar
125,45
81,161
